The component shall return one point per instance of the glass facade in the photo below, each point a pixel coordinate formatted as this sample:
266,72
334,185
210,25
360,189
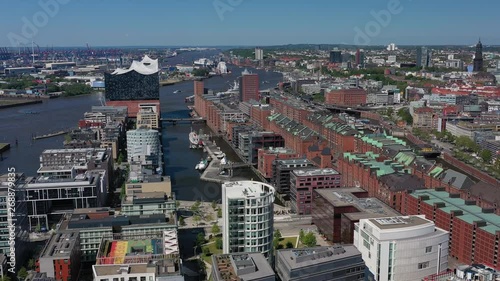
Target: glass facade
132,86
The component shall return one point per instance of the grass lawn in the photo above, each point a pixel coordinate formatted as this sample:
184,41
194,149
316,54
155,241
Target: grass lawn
285,240
213,250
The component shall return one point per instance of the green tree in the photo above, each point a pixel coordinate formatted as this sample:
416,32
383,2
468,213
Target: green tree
486,155
5,278
200,239
301,235
277,234
214,205
219,213
196,206
215,229
23,273
206,251
289,245
466,143
209,217
405,115
218,243
389,111
120,159
182,222
76,89
196,219
38,228
200,72
31,264
309,240
276,243
177,204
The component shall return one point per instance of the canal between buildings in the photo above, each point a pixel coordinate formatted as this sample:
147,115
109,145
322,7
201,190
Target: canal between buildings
62,113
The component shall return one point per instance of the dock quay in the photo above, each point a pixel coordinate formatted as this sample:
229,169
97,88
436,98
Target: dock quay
169,82
7,103
51,135
212,172
4,147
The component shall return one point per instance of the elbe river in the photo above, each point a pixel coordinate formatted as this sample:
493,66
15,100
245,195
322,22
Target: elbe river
62,113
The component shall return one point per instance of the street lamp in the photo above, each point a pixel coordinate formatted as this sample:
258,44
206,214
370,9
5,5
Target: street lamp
194,250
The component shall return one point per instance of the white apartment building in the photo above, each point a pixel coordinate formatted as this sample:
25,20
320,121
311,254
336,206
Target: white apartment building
259,54
142,142
402,248
148,116
247,213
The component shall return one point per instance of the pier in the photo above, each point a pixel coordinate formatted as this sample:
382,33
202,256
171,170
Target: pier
174,121
169,82
4,147
51,135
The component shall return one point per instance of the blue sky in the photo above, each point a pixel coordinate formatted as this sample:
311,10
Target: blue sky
247,22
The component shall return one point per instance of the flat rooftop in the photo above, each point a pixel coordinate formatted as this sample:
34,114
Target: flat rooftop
305,257
315,172
399,222
61,245
368,207
81,179
281,150
247,266
293,161
165,268
246,189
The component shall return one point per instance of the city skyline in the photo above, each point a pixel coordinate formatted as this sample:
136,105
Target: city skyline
73,23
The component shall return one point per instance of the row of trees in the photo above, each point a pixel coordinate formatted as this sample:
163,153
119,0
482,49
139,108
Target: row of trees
76,89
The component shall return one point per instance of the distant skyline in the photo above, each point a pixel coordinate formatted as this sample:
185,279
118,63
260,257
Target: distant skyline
74,23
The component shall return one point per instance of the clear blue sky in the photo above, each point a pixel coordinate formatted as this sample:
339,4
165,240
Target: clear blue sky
247,22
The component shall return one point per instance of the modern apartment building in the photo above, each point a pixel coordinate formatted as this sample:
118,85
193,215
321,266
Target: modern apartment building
249,86
141,257
18,213
62,188
304,181
336,210
241,266
320,263
60,258
247,214
148,195
148,116
250,143
281,172
142,142
402,248
93,224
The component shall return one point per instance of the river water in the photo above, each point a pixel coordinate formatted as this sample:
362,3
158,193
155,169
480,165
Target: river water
62,113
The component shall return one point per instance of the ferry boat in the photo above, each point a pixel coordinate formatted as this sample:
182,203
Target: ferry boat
177,91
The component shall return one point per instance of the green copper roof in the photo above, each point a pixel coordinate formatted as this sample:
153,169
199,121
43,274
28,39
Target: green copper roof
471,213
436,172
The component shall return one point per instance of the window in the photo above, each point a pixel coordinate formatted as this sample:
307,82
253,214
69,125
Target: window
428,249
423,265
